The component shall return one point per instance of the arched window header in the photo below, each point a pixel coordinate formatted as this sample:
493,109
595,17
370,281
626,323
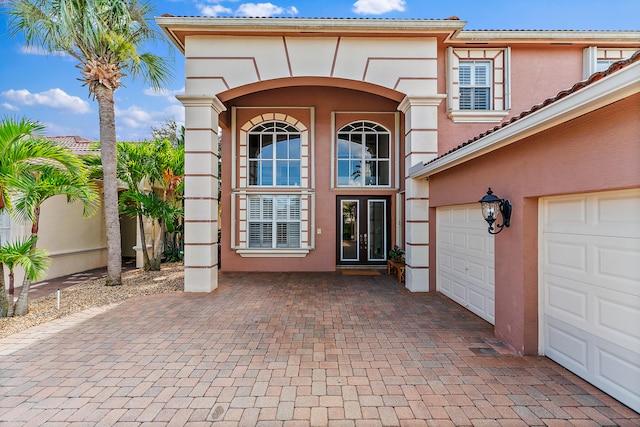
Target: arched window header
274,126
363,126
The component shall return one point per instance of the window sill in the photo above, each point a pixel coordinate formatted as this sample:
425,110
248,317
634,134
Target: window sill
477,116
272,253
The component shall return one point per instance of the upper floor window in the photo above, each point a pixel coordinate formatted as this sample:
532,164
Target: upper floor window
274,155
363,155
478,84
600,58
475,85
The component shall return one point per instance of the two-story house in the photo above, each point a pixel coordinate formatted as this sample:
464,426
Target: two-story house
343,137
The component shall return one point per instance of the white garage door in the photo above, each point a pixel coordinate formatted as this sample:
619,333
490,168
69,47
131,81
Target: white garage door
465,258
590,288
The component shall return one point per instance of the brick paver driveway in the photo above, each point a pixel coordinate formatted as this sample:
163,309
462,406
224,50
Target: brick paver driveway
287,350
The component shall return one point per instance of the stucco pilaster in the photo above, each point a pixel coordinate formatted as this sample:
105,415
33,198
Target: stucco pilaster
201,192
421,145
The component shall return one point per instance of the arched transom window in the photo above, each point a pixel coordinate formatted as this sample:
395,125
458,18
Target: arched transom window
274,155
363,155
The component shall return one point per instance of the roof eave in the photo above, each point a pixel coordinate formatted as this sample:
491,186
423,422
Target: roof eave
631,37
606,91
171,25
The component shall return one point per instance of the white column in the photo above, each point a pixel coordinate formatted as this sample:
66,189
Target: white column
421,145
201,192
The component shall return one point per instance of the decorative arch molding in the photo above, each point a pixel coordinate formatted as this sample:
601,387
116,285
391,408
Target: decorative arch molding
279,117
311,81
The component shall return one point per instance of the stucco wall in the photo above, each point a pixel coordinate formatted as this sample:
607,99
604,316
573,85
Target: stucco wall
596,152
74,243
349,105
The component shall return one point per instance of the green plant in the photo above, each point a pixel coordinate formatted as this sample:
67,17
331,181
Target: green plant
396,253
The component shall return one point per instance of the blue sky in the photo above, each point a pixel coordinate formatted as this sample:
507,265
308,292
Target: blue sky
45,87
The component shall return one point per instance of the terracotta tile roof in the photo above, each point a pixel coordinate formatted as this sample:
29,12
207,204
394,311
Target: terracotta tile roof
562,94
77,144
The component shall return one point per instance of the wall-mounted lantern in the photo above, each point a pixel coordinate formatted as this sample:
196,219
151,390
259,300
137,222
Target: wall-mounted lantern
491,205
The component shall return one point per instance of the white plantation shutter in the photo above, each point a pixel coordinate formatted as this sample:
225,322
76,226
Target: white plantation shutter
274,221
475,85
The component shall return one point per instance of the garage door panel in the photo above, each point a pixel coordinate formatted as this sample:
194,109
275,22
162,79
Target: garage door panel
465,255
445,286
590,288
617,215
567,300
459,240
619,263
567,346
459,216
608,314
598,214
477,272
566,255
619,369
481,305
617,318
566,214
459,265
460,293
612,262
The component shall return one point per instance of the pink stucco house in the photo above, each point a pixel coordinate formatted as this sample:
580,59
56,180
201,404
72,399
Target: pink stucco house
342,137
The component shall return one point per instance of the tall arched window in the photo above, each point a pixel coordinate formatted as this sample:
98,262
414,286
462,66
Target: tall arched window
274,155
363,155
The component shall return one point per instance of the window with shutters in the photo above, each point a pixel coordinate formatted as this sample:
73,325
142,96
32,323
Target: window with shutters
274,221
5,227
475,85
478,84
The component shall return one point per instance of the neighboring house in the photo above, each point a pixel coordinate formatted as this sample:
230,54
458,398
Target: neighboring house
74,243
341,138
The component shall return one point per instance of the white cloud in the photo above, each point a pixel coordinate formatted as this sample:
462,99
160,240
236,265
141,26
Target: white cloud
9,107
57,128
169,95
54,98
378,7
212,9
136,117
38,50
264,10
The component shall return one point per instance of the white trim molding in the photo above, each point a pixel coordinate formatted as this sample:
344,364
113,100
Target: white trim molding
272,253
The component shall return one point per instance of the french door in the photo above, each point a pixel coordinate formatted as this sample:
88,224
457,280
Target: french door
363,230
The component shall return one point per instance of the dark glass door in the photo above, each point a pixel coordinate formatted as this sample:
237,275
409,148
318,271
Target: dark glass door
363,230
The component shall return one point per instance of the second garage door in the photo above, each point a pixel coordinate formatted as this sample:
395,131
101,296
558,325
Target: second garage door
590,288
465,259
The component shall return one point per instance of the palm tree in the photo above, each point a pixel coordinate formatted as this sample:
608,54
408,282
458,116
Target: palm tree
22,152
30,191
24,253
136,168
140,204
105,36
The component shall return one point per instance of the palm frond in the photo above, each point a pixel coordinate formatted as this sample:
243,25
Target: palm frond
24,253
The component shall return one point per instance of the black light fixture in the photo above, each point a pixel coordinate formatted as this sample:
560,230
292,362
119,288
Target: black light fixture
491,205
